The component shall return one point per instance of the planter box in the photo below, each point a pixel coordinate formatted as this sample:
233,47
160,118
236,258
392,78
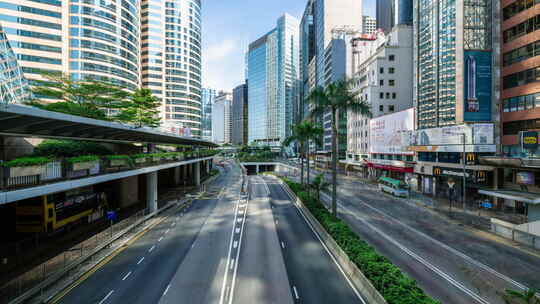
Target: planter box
156,159
168,157
140,160
179,157
83,165
26,171
118,162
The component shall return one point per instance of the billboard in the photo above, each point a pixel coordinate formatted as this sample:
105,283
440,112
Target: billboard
477,85
476,134
390,134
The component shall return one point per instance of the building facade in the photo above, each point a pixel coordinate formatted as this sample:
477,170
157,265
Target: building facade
239,131
390,13
272,73
171,60
208,99
383,65
13,85
369,25
221,118
456,96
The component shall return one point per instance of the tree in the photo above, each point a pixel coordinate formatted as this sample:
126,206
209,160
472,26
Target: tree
313,133
337,96
319,184
90,97
298,136
142,110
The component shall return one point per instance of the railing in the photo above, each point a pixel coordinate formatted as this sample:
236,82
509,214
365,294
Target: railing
59,170
509,231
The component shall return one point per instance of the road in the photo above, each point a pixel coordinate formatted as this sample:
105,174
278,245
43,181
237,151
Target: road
226,248
452,263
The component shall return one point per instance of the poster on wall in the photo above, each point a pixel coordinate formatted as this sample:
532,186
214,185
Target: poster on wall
477,86
525,178
390,134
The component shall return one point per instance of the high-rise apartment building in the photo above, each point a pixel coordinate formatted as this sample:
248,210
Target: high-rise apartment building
221,118
83,39
208,99
272,73
239,131
369,25
393,12
171,59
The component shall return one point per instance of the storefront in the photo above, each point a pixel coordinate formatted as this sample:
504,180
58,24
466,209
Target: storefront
395,169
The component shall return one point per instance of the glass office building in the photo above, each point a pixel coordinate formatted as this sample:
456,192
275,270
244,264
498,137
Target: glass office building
13,85
208,99
272,73
442,50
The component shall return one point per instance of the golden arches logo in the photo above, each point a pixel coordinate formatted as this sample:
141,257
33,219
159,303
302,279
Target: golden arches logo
437,171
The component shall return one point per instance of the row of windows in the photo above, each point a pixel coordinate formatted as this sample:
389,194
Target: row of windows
34,46
93,23
110,5
521,103
514,127
49,2
32,34
525,27
382,94
94,45
88,66
517,7
103,58
115,81
39,59
21,20
521,78
27,9
522,53
102,36
32,70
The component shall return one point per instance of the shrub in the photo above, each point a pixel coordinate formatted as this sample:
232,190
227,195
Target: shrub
83,159
28,161
69,148
115,157
394,285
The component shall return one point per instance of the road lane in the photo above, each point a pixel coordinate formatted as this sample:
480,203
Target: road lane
311,270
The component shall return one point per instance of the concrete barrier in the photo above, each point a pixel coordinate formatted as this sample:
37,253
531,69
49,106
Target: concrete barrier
359,280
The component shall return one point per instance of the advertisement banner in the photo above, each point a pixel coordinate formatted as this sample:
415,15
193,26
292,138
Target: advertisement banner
525,178
477,83
442,136
390,134
529,140
484,134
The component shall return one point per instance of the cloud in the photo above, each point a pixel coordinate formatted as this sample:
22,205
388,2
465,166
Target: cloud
223,64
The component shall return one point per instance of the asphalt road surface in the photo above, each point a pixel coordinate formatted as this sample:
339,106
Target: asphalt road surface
226,248
452,263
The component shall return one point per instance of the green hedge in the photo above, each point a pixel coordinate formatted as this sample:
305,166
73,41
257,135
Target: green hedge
28,161
83,159
394,285
69,148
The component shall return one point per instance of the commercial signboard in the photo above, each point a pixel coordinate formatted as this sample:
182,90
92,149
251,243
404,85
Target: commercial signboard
477,85
529,140
478,138
390,134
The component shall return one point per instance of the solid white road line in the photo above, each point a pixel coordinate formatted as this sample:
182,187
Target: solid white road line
152,248
140,261
167,289
296,293
106,297
224,284
126,276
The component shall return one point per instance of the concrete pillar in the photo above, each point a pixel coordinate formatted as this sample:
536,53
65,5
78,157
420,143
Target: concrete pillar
208,162
151,191
176,176
197,173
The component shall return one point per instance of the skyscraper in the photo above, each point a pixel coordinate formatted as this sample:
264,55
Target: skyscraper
13,85
239,132
369,25
272,73
83,39
171,59
221,118
208,99
393,12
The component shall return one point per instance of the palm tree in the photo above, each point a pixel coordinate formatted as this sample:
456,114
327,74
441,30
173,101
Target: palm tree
314,133
299,136
337,96
319,184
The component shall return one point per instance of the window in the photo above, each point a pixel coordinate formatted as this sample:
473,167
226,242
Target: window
381,95
391,57
391,108
381,82
394,95
391,70
381,70
391,82
381,108
387,95
521,103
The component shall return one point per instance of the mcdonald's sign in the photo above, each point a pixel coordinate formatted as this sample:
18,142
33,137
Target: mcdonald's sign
471,159
481,176
437,171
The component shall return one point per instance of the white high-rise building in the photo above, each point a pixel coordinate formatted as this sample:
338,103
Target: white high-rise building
221,118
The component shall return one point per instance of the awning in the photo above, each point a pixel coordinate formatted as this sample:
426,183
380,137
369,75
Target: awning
520,196
392,168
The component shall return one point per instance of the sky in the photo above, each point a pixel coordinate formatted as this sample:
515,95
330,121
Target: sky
230,25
